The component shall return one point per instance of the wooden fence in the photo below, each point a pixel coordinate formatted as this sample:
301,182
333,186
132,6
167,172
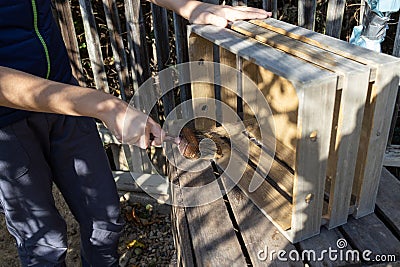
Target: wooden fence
116,45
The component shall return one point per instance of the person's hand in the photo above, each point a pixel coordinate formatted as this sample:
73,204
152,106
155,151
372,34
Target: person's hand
135,128
220,15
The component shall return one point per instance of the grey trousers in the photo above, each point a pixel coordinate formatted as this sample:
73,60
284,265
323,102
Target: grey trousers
44,149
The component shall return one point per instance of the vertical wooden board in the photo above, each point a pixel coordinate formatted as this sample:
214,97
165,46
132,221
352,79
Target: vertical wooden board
316,104
334,17
250,71
350,116
136,36
383,98
306,13
283,101
211,229
202,50
117,45
180,228
228,95
369,233
327,239
160,24
388,200
259,235
93,46
69,36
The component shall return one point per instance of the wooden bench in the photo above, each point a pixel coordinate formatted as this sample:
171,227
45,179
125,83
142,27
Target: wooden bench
233,232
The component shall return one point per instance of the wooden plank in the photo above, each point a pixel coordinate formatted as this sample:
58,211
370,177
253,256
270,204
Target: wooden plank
150,183
117,45
269,58
357,53
211,230
334,17
316,105
388,200
67,29
392,156
369,233
93,46
180,228
202,50
259,235
306,13
160,24
182,55
228,94
382,101
323,242
136,35
270,202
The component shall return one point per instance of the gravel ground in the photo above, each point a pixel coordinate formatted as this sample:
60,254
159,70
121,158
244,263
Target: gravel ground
146,240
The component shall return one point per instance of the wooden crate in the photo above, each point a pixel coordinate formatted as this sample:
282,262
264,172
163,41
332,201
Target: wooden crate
321,102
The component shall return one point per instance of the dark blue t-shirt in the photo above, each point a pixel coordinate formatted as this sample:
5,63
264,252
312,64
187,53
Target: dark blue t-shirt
30,41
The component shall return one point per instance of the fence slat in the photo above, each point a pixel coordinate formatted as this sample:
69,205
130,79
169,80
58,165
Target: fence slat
93,46
67,28
160,24
120,59
334,17
182,55
306,13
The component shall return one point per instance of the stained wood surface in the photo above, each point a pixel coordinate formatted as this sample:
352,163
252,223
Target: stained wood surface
325,240
258,233
388,200
392,156
215,242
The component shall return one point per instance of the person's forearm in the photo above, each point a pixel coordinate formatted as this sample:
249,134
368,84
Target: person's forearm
181,7
24,91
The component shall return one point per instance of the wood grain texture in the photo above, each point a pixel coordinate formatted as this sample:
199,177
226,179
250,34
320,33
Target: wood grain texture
369,233
325,240
93,46
271,203
388,200
117,45
258,233
334,18
202,50
215,242
316,104
66,23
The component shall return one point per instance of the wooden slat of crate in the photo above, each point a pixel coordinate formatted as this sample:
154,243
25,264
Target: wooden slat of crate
378,109
203,52
349,110
315,92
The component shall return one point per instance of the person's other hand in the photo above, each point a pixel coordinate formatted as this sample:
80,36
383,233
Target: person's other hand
220,15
